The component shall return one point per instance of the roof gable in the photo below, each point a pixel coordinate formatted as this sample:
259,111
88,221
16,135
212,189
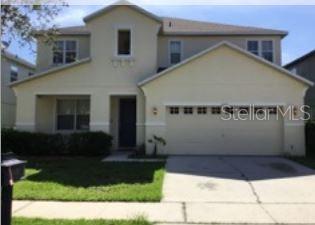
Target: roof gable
118,4
233,47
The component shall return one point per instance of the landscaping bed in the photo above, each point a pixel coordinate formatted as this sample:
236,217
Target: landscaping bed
89,179
29,221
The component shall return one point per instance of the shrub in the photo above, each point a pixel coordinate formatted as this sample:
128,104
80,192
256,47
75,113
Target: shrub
310,138
41,144
89,143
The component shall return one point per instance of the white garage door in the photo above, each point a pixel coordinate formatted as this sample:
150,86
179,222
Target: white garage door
200,130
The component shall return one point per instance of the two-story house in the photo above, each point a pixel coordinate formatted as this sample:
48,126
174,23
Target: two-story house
305,67
134,75
13,68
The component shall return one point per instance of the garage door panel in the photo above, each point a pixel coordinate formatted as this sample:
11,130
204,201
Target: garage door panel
209,134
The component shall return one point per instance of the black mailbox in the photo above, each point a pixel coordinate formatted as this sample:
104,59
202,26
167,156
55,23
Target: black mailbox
12,170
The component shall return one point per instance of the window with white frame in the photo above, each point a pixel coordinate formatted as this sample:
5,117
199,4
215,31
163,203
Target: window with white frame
64,51
253,47
14,72
73,114
267,50
175,49
263,48
124,42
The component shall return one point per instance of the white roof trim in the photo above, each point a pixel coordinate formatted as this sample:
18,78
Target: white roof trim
17,59
259,59
52,70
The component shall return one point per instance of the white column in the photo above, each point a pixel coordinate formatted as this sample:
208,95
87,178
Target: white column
100,112
25,112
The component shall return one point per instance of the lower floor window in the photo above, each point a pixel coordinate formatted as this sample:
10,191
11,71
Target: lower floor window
73,114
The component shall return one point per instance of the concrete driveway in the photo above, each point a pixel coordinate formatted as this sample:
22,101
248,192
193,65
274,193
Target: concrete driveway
260,189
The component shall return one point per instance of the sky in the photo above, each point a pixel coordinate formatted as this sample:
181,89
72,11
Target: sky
298,20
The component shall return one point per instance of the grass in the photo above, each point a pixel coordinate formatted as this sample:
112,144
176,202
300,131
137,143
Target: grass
27,221
306,161
89,179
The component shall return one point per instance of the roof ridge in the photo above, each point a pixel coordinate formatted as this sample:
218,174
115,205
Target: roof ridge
220,23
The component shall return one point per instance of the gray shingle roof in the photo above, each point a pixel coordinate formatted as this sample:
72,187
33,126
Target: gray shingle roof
172,26
176,26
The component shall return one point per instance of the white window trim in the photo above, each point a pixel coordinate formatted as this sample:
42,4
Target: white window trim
75,115
181,50
124,27
17,72
64,51
260,47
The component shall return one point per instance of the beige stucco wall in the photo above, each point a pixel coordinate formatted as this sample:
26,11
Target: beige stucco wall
8,100
225,76
104,76
194,44
44,58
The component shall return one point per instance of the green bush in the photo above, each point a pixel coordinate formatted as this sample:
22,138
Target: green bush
89,143
310,138
41,144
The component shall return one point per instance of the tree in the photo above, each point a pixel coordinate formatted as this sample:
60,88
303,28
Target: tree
22,22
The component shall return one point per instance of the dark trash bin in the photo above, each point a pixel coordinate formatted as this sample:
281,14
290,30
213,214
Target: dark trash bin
12,170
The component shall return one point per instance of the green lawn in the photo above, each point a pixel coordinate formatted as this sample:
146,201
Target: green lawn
306,161
26,221
89,179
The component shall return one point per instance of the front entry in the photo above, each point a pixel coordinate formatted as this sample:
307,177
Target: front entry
127,122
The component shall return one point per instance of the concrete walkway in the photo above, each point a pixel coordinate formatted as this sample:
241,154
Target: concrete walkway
223,190
171,212
123,156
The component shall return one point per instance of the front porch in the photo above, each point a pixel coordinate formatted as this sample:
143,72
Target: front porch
120,115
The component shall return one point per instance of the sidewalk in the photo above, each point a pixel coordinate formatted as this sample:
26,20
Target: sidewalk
168,212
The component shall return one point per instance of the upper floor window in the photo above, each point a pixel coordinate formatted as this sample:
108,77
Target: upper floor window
124,42
14,71
175,52
263,48
64,51
252,46
267,50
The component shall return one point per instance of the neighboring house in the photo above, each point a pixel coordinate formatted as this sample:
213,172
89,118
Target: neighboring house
134,75
13,68
305,67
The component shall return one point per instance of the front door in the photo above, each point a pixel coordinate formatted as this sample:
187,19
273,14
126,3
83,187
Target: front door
127,122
